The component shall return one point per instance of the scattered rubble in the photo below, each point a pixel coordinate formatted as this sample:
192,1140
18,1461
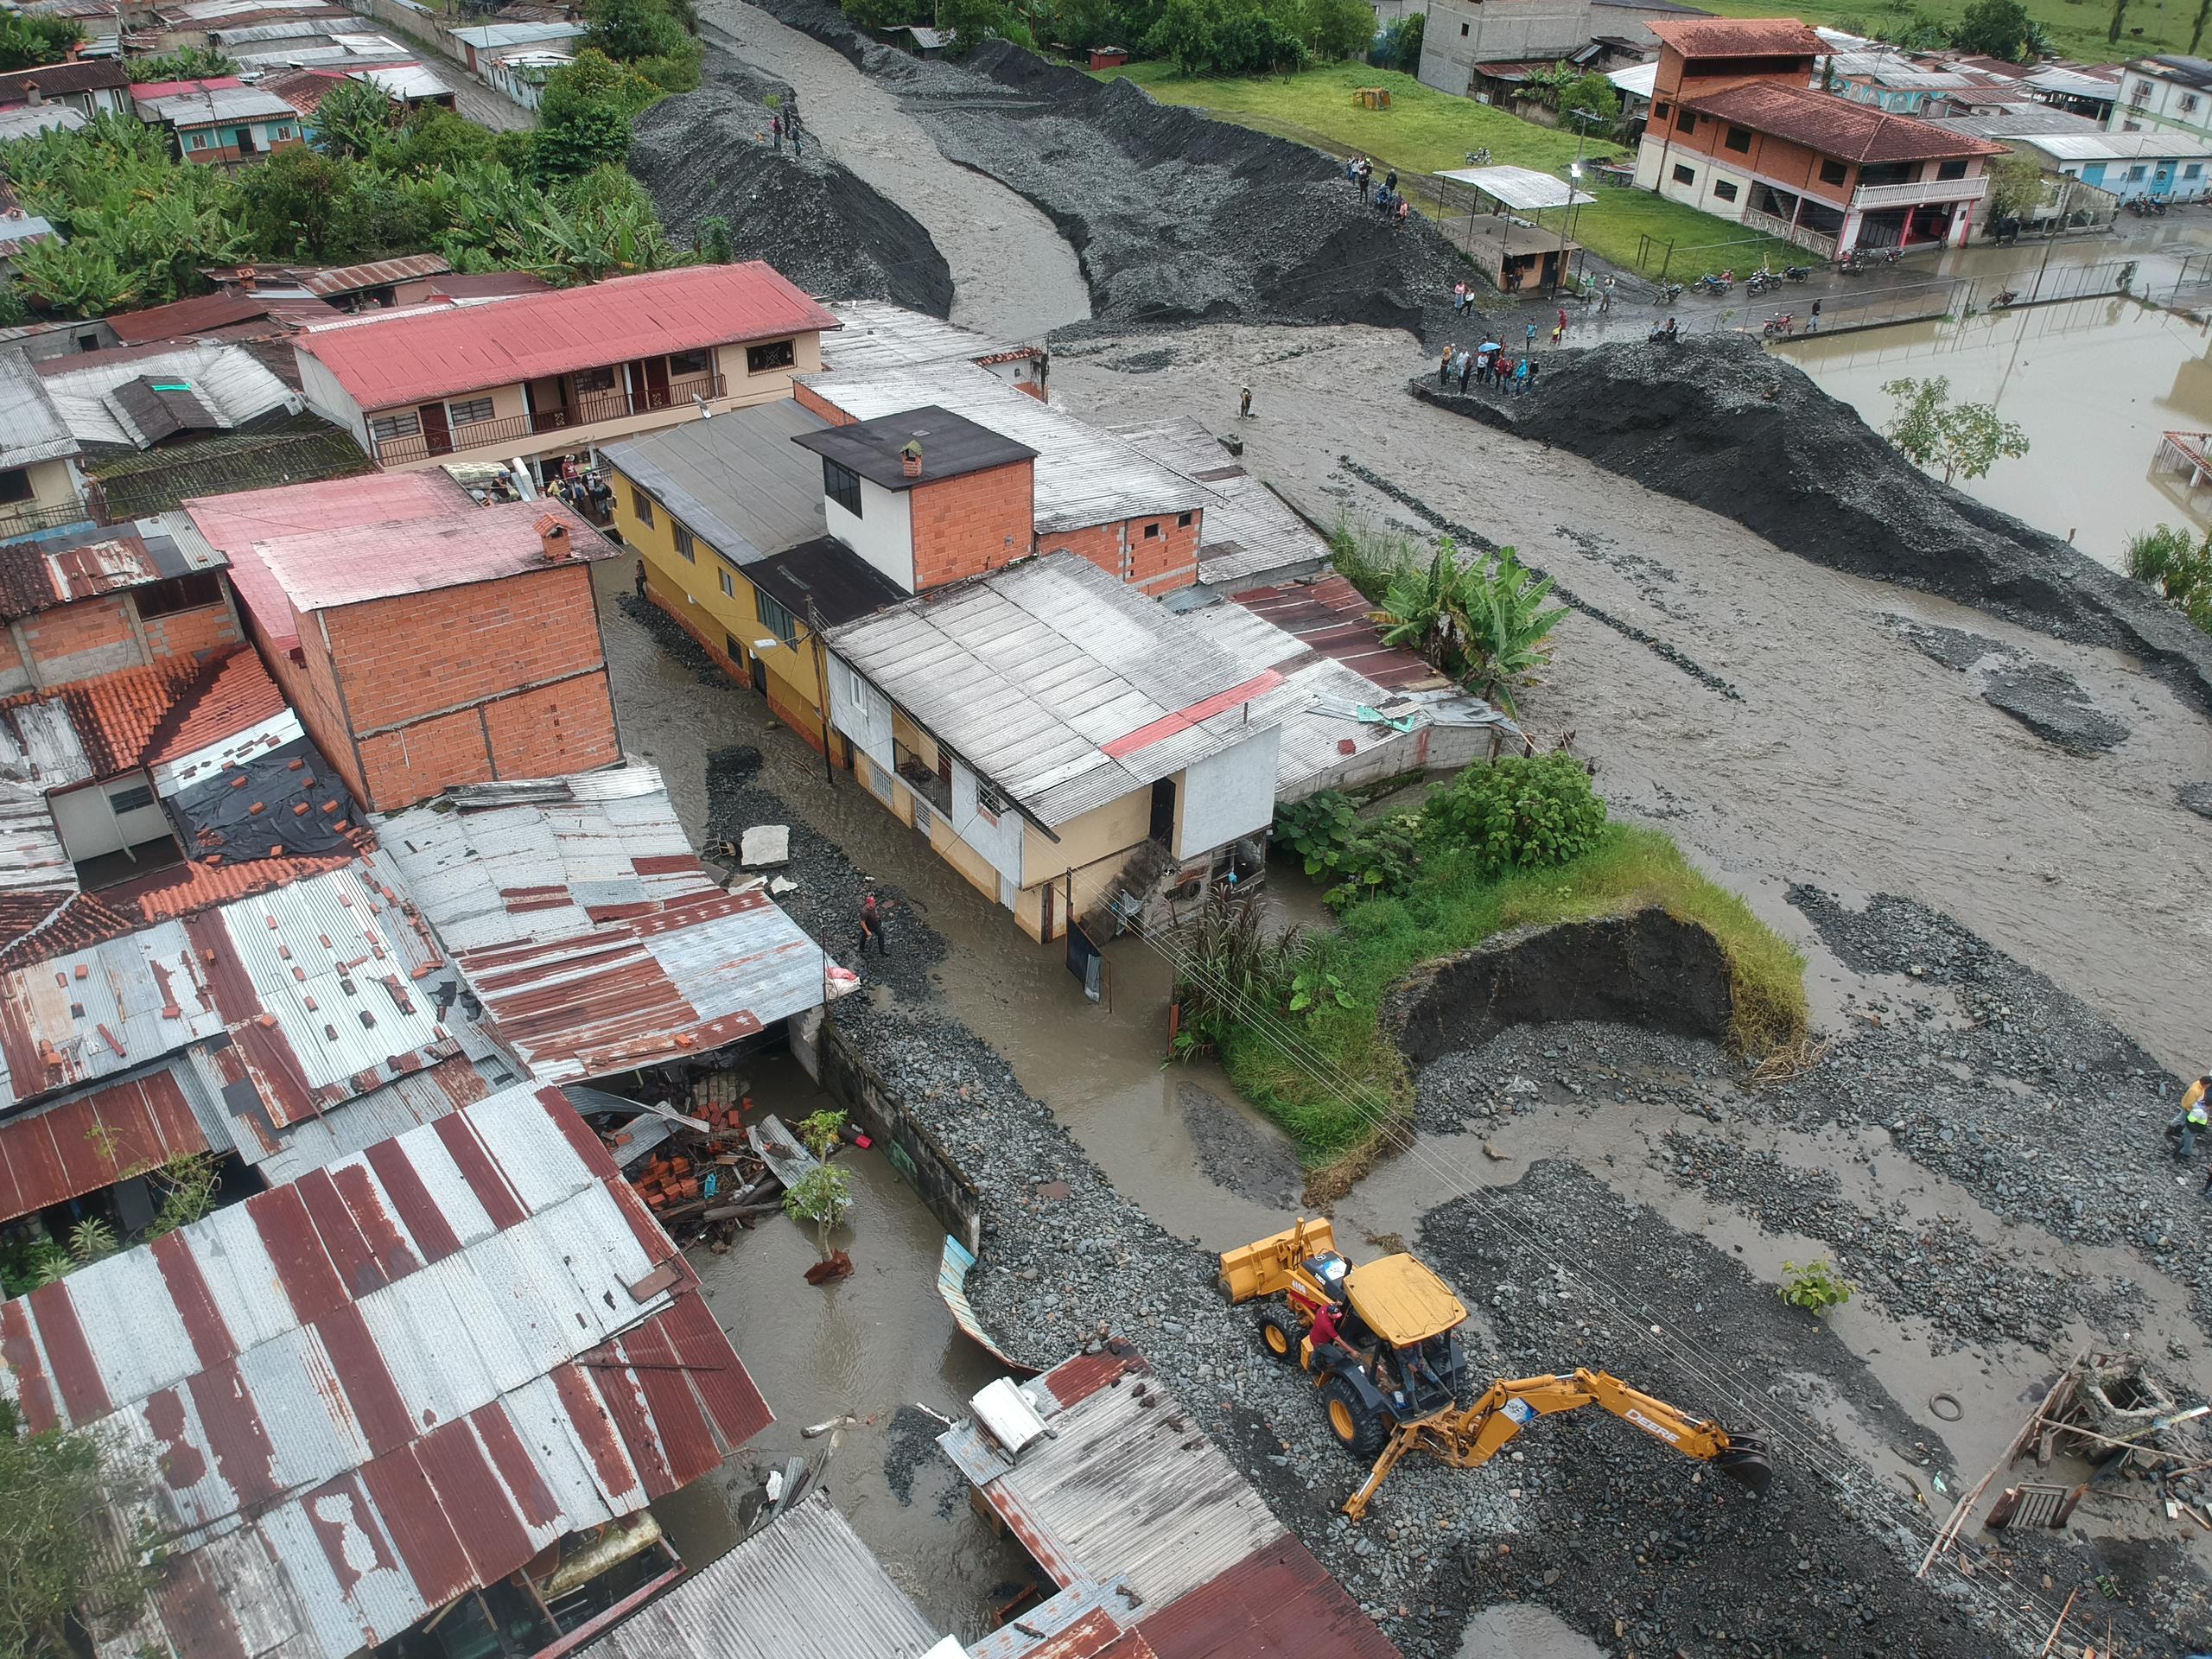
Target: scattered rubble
2049,703
701,155
2198,797
1723,424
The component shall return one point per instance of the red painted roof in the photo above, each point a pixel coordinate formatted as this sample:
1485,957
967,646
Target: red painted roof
1332,617
146,90
405,360
1737,37
331,566
1836,126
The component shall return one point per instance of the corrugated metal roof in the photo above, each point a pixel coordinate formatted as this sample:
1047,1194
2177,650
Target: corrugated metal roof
1126,1486
1249,532
737,482
228,379
2117,146
1061,686
314,983
201,109
585,924
31,430
31,854
378,273
403,1375
404,360
411,83
37,575
94,1139
1736,37
879,335
24,121
1332,617
1085,475
804,1586
493,36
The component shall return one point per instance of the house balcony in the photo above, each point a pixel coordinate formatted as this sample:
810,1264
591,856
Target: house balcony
1920,193
28,518
583,412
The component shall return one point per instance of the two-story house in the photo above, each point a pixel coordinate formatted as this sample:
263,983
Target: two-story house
1737,130
41,487
545,377
2170,93
90,87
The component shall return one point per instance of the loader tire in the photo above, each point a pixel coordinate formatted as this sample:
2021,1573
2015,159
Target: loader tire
1359,1430
1279,1335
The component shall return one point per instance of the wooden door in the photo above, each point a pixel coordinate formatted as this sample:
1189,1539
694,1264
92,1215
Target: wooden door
438,431
656,382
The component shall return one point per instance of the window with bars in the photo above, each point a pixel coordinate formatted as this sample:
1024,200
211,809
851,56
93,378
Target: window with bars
469,410
388,426
690,551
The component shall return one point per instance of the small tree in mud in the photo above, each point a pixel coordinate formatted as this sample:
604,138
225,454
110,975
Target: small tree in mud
1965,440
824,1196
1483,621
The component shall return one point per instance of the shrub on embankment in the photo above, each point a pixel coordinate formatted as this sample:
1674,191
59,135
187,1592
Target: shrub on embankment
1333,1074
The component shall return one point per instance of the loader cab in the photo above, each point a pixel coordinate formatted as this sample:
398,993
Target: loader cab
1330,1272
1419,1366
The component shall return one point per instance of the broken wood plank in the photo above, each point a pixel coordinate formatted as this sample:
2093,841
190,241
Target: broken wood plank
2051,1641
698,1126
742,1211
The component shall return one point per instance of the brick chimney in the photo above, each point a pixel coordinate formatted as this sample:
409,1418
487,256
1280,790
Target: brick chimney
910,458
246,279
32,96
553,537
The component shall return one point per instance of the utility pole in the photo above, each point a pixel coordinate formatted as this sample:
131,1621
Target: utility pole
1573,179
821,686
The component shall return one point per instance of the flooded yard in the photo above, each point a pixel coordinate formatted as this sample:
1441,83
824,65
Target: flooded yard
2094,383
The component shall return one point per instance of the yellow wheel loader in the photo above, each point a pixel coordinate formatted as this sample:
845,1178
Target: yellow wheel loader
1392,1376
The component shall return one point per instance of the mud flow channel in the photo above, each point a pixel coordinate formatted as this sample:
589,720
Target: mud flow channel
2095,384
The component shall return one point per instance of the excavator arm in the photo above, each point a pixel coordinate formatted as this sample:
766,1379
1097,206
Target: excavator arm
1468,1437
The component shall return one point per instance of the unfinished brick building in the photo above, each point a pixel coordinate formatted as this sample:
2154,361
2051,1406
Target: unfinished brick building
425,640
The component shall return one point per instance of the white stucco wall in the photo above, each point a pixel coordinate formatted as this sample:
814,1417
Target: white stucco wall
1227,795
883,534
858,711
1000,843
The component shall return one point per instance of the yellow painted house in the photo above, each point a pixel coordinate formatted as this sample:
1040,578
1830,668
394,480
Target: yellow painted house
727,516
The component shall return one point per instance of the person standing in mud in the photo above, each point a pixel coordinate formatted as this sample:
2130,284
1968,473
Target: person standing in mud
2194,1118
1444,368
1244,404
872,926
1366,176
776,132
1812,322
1523,371
1532,337
1466,367
1559,331
641,581
1390,180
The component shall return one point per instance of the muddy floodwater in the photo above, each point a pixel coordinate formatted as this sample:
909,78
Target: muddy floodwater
2094,383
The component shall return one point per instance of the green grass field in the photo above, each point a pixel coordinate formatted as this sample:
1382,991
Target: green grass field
1426,132
2077,28
1331,1099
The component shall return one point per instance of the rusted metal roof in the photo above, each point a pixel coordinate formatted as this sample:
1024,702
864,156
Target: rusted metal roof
316,983
579,916
379,273
55,569
1737,37
95,1141
398,1378
804,1586
1127,1490
1330,616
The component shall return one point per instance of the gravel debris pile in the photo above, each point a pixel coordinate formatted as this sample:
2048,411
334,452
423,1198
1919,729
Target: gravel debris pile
704,155
1722,423
1634,1545
1178,219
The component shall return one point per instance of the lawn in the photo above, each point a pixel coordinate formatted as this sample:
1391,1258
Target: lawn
2077,28
1351,1077
1426,132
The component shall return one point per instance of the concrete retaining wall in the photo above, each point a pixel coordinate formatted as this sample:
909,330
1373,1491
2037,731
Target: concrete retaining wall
877,1107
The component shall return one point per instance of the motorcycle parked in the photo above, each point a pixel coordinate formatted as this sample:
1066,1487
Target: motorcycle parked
1780,326
1478,158
1716,285
1796,273
2004,299
1667,294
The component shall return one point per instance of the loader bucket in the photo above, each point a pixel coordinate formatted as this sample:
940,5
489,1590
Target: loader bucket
1746,1463
1262,1267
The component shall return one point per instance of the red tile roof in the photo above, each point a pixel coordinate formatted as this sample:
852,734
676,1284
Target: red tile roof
466,348
136,716
1836,126
84,920
229,696
1737,37
146,90
187,889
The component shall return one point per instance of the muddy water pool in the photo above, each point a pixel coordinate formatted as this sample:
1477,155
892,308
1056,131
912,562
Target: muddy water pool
2093,383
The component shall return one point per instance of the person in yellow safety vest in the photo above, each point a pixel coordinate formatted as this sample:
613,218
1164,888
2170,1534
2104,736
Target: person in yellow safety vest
2194,1118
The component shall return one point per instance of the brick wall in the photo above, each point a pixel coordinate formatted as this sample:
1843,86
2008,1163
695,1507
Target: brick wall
413,764
194,632
79,640
15,674
965,526
808,397
1157,564
553,731
402,658
309,687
